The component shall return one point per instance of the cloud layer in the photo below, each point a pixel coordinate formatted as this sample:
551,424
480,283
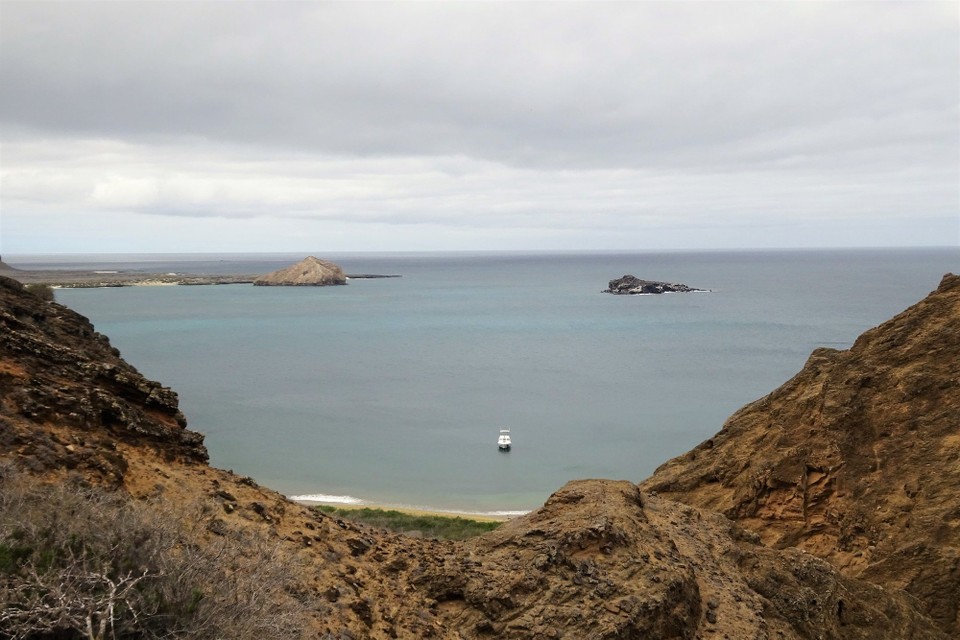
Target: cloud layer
352,126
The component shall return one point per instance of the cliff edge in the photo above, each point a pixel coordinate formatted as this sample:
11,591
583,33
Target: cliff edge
67,399
856,459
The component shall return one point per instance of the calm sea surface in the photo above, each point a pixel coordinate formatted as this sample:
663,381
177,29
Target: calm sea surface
393,390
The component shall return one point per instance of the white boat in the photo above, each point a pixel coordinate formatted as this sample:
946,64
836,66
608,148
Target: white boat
503,442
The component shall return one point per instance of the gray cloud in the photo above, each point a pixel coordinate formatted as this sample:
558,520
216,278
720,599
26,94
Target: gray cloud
526,115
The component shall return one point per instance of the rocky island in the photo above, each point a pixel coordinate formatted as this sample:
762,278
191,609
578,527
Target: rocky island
309,272
827,509
632,285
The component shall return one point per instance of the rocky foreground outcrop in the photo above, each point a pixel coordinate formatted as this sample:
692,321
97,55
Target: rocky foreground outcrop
632,285
310,271
601,559
856,459
67,399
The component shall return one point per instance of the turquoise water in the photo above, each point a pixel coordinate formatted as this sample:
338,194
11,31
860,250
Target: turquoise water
393,390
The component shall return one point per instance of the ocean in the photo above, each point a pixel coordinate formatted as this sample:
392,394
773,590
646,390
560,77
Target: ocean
392,391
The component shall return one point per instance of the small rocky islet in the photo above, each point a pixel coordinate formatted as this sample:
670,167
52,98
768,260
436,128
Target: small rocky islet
632,285
309,272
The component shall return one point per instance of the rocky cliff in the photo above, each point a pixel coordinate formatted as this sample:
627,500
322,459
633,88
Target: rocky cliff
601,559
856,459
310,271
67,399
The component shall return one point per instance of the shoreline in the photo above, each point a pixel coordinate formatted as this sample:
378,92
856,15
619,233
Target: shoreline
413,511
68,279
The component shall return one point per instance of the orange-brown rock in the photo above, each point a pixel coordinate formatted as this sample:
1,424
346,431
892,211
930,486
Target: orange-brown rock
856,459
310,271
602,560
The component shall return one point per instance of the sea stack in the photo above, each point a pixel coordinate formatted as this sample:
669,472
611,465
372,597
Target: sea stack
309,272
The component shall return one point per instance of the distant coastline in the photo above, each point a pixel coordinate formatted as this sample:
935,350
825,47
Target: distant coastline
82,279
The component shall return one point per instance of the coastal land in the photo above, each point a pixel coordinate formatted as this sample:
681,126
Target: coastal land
80,279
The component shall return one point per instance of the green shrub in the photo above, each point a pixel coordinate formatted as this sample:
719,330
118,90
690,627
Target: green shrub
42,291
429,526
12,556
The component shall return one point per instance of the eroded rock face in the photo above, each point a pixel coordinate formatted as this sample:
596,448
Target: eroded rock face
601,560
632,285
856,459
67,398
310,271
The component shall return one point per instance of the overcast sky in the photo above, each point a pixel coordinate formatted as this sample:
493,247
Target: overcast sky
312,126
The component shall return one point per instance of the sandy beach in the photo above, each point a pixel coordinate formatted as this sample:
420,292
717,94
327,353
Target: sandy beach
413,511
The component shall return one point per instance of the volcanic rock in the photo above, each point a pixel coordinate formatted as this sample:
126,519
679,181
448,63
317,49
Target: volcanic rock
856,459
632,285
601,560
310,271
67,398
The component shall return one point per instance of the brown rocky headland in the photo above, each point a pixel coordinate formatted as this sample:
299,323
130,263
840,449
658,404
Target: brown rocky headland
856,459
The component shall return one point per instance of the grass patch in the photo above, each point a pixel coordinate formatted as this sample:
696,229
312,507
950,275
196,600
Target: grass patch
428,526
11,556
42,291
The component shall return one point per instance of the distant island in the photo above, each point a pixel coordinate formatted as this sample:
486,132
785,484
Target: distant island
309,272
78,279
632,285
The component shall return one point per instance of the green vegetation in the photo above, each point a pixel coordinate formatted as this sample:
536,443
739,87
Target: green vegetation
42,291
428,526
11,556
